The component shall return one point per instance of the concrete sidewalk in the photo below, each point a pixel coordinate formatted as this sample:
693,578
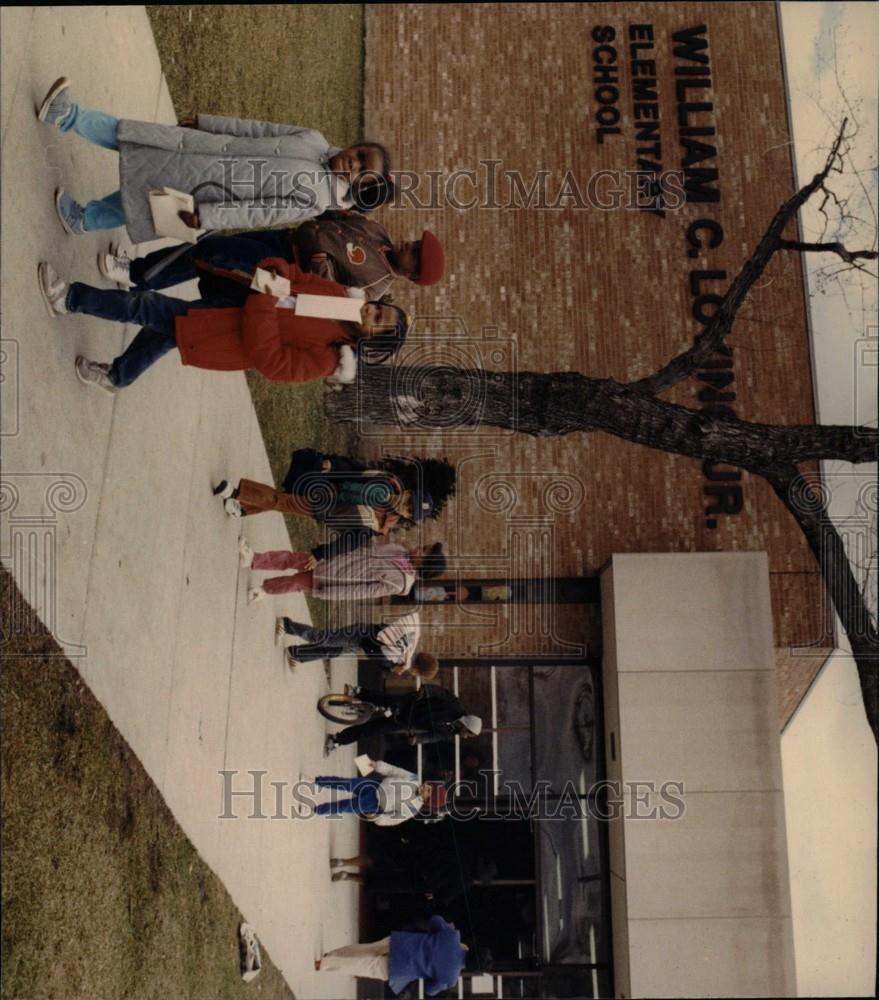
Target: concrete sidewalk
111,530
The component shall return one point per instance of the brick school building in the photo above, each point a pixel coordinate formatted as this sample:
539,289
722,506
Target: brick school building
598,175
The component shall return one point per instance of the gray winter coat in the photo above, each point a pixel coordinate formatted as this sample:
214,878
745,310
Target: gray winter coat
243,174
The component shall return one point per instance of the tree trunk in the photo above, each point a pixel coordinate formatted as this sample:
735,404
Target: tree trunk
550,404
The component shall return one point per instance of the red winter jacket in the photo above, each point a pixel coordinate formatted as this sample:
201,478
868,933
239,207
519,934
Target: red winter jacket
274,341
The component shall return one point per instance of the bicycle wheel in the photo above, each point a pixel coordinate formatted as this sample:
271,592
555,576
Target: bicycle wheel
345,709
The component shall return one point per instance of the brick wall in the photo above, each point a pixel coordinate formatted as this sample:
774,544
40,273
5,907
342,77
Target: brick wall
602,292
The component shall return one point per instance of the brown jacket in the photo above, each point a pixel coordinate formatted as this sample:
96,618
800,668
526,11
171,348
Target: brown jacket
355,249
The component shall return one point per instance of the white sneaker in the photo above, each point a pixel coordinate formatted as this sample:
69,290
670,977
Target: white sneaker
96,374
255,594
232,507
53,288
224,489
292,662
251,956
245,553
115,266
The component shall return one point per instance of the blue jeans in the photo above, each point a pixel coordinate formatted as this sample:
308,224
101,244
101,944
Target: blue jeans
157,313
242,252
363,790
336,642
100,129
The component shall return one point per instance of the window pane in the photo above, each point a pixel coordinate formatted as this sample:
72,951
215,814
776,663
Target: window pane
585,983
570,847
474,691
573,917
481,986
506,919
519,987
568,741
505,986
514,760
513,697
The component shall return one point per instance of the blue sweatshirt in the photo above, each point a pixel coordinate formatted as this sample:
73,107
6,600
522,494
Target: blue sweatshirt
436,957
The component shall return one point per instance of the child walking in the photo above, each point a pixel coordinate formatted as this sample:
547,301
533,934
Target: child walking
436,956
347,247
387,797
367,573
242,174
266,334
393,647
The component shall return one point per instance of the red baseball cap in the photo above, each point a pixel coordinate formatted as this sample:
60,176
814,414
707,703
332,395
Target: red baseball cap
432,260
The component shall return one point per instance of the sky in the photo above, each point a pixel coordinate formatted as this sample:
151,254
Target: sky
828,753
832,54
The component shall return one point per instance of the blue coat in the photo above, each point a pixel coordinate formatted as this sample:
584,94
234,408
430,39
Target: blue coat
437,957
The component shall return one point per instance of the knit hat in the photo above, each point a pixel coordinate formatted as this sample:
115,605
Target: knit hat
432,260
472,722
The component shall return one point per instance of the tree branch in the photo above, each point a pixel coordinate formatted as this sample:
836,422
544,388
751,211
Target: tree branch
849,256
721,323
810,512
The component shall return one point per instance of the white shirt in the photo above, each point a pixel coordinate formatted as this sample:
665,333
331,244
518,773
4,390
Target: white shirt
400,638
289,301
398,795
341,189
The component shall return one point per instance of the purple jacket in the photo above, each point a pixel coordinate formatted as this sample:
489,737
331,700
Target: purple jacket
367,573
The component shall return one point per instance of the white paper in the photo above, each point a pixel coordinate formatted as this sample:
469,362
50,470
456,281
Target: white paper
363,763
164,206
329,307
270,284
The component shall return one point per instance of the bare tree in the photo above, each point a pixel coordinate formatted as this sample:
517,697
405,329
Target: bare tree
554,403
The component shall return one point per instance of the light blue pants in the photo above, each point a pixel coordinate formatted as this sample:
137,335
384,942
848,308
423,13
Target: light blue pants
101,130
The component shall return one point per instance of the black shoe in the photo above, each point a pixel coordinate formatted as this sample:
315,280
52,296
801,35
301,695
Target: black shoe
296,628
223,489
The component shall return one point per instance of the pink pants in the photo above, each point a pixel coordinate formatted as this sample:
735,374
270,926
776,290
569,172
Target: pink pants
283,559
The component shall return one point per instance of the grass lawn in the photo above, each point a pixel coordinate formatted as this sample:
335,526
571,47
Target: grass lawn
103,896
297,63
